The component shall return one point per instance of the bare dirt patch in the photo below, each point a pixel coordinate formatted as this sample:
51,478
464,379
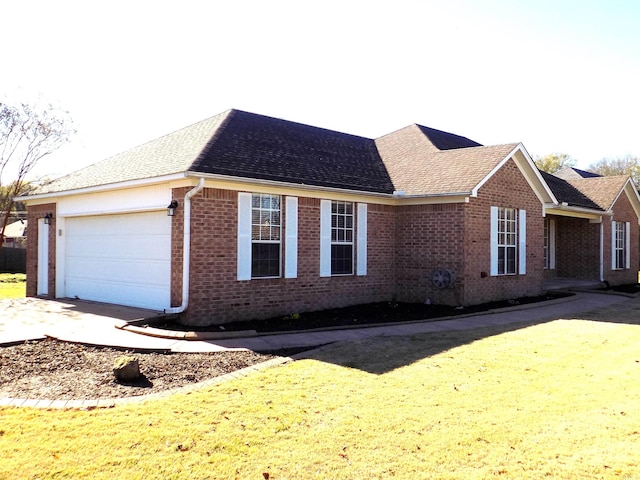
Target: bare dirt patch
56,370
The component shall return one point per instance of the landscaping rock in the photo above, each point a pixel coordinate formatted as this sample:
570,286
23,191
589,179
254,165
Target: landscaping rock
126,368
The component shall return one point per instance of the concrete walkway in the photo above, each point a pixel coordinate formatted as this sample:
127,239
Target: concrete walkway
101,324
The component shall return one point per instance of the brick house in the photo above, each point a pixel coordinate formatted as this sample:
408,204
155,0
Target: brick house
270,217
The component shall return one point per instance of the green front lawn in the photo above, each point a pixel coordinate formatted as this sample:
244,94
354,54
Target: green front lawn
555,400
13,285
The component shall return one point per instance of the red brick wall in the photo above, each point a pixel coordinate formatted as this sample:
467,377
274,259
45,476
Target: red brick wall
33,214
506,188
622,212
429,237
217,297
577,248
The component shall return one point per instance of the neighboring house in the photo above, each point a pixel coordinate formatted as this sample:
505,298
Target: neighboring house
571,173
15,235
272,217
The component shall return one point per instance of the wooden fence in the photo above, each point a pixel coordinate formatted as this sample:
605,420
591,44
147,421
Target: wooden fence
13,260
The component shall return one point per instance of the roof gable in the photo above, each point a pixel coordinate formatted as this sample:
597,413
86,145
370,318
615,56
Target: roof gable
417,167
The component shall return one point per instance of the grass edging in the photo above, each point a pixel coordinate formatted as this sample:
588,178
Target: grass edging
200,336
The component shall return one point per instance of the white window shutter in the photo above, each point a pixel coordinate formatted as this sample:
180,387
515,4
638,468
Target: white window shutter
627,239
494,241
613,245
552,243
522,242
361,267
244,236
291,245
325,238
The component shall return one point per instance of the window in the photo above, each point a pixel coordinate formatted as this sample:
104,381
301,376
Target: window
341,238
620,245
265,235
508,241
507,246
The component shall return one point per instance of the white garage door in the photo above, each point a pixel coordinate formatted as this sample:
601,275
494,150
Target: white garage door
121,259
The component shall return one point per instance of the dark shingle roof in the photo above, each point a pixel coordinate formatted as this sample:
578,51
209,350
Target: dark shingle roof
445,140
169,154
266,148
565,192
569,173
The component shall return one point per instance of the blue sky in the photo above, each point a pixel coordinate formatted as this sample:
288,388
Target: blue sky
559,76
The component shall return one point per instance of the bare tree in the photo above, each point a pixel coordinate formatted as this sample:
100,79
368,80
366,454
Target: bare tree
626,165
27,134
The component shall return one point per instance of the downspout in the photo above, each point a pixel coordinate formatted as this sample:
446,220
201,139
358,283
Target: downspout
601,251
186,249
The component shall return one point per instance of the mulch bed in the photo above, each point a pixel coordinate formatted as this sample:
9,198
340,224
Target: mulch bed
360,315
51,369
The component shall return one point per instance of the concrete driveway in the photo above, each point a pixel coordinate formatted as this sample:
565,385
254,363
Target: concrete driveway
78,321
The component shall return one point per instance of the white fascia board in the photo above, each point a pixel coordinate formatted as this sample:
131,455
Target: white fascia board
102,188
576,212
280,185
634,197
329,193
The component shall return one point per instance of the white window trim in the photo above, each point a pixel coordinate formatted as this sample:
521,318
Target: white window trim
291,238
245,242
361,240
627,246
627,242
521,242
244,236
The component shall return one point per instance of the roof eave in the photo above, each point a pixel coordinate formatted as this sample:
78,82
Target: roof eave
276,183
105,187
566,210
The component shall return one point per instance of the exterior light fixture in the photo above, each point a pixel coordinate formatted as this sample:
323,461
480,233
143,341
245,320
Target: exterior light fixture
47,218
171,209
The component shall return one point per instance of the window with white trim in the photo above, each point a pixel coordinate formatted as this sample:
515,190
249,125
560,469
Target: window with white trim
341,238
619,245
265,235
264,239
549,243
508,241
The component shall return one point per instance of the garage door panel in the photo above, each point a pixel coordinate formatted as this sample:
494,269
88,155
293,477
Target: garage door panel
122,259
115,246
114,270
